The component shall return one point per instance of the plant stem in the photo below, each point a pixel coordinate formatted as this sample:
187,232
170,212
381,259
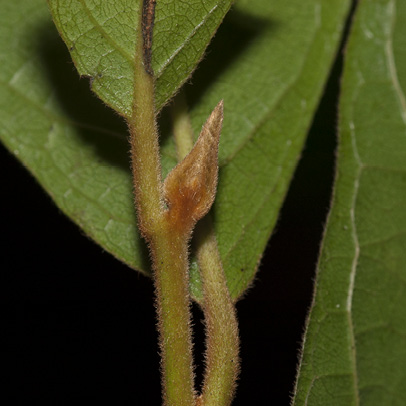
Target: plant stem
168,247
173,307
222,340
146,168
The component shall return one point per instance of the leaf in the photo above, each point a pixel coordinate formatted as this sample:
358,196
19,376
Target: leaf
271,86
268,61
354,351
101,39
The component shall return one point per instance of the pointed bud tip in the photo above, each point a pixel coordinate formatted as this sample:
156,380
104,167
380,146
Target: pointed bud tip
218,111
190,188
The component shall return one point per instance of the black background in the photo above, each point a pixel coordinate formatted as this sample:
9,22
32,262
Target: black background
79,325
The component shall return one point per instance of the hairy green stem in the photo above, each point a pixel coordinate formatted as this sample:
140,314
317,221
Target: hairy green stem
222,340
168,245
170,260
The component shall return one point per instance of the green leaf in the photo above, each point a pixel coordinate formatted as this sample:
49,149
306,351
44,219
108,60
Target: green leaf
271,84
101,39
354,351
268,61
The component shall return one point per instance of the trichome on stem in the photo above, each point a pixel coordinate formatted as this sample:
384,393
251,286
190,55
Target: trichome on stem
167,213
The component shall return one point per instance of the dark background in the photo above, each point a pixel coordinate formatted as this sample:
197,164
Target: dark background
79,325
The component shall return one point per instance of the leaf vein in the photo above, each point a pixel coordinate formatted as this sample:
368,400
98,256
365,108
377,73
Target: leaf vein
160,71
355,260
105,35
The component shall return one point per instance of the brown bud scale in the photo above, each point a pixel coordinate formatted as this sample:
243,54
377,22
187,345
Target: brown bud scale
190,188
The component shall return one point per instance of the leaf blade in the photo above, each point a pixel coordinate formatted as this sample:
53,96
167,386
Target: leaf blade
101,39
260,143
358,293
65,142
255,132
